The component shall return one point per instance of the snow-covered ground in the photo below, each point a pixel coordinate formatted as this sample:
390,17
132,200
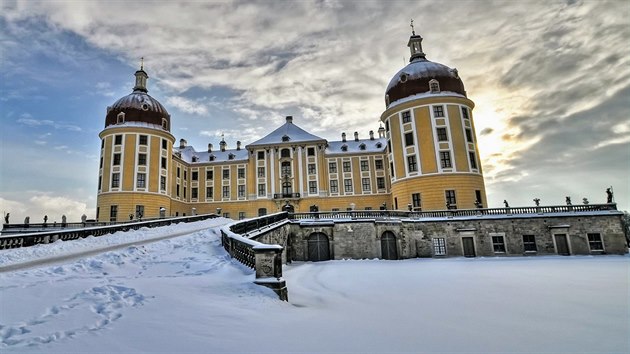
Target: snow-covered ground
186,295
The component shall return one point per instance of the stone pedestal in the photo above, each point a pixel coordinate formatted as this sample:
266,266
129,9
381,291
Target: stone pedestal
269,269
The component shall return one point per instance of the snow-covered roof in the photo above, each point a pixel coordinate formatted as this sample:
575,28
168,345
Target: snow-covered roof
423,95
287,133
128,124
367,146
188,152
422,68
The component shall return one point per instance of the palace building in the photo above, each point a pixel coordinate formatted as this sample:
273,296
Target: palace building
424,156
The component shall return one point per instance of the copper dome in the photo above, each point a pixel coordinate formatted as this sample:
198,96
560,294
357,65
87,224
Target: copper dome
139,106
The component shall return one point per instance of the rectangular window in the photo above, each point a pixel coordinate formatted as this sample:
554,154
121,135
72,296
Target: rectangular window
113,212
332,167
364,165
185,174
441,134
347,185
469,136
391,169
529,243
164,144
209,192
262,190
438,111
177,190
415,200
498,244
311,168
478,198
378,164
143,140
241,191
380,182
312,187
439,246
412,163
184,192
241,215
389,146
194,193
310,151
178,172
365,182
163,162
162,183
406,116
100,181
226,215
195,175
100,165
115,180
209,174
261,172
595,242
346,166
226,191
241,172
473,160
118,140
450,198
226,174
141,180
465,113
408,139
445,159
261,155
334,186
116,160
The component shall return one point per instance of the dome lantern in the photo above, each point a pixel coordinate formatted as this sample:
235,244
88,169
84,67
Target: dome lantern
415,45
141,78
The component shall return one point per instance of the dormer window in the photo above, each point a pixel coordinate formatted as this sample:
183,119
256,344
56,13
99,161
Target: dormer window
120,118
386,100
344,147
231,157
285,138
434,86
211,158
403,77
194,159
379,145
164,124
362,146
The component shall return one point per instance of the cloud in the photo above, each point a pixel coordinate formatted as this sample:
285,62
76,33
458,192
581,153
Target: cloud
187,105
42,203
27,120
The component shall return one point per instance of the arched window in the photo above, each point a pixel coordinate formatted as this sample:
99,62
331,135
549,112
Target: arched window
362,146
120,118
287,190
434,86
285,168
285,153
164,124
344,147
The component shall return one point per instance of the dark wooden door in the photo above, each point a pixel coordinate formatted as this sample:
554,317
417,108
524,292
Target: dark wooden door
388,246
562,246
318,247
469,246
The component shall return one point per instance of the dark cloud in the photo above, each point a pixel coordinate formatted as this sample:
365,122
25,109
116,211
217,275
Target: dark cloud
486,131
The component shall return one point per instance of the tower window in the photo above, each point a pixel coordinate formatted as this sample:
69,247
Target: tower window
116,160
143,140
115,180
441,134
451,201
113,212
403,77
406,116
415,200
142,159
412,164
386,100
164,124
162,183
163,162
434,86
141,180
408,139
117,139
120,118
465,113
473,160
469,136
445,159
164,144
438,111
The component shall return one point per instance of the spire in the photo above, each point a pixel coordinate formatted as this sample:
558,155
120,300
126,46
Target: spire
141,78
415,45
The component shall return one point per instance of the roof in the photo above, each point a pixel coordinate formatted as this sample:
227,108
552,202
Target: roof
287,133
354,146
188,152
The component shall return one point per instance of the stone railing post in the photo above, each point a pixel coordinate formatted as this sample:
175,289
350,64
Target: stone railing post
269,269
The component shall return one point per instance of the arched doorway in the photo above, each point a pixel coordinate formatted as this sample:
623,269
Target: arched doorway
388,246
318,247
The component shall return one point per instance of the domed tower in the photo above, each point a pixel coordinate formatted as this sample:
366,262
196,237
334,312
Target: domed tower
432,147
136,149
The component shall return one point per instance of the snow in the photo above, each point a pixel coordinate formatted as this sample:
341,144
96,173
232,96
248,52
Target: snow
421,68
295,134
185,294
424,95
188,152
354,146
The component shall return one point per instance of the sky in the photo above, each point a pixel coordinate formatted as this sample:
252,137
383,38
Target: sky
550,80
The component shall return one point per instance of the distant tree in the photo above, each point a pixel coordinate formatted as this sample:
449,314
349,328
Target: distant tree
625,220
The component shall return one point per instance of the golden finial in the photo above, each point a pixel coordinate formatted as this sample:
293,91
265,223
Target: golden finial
142,63
413,31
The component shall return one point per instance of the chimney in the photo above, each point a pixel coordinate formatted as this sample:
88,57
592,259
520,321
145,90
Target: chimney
356,136
210,147
371,134
343,137
182,143
223,145
289,119
238,145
